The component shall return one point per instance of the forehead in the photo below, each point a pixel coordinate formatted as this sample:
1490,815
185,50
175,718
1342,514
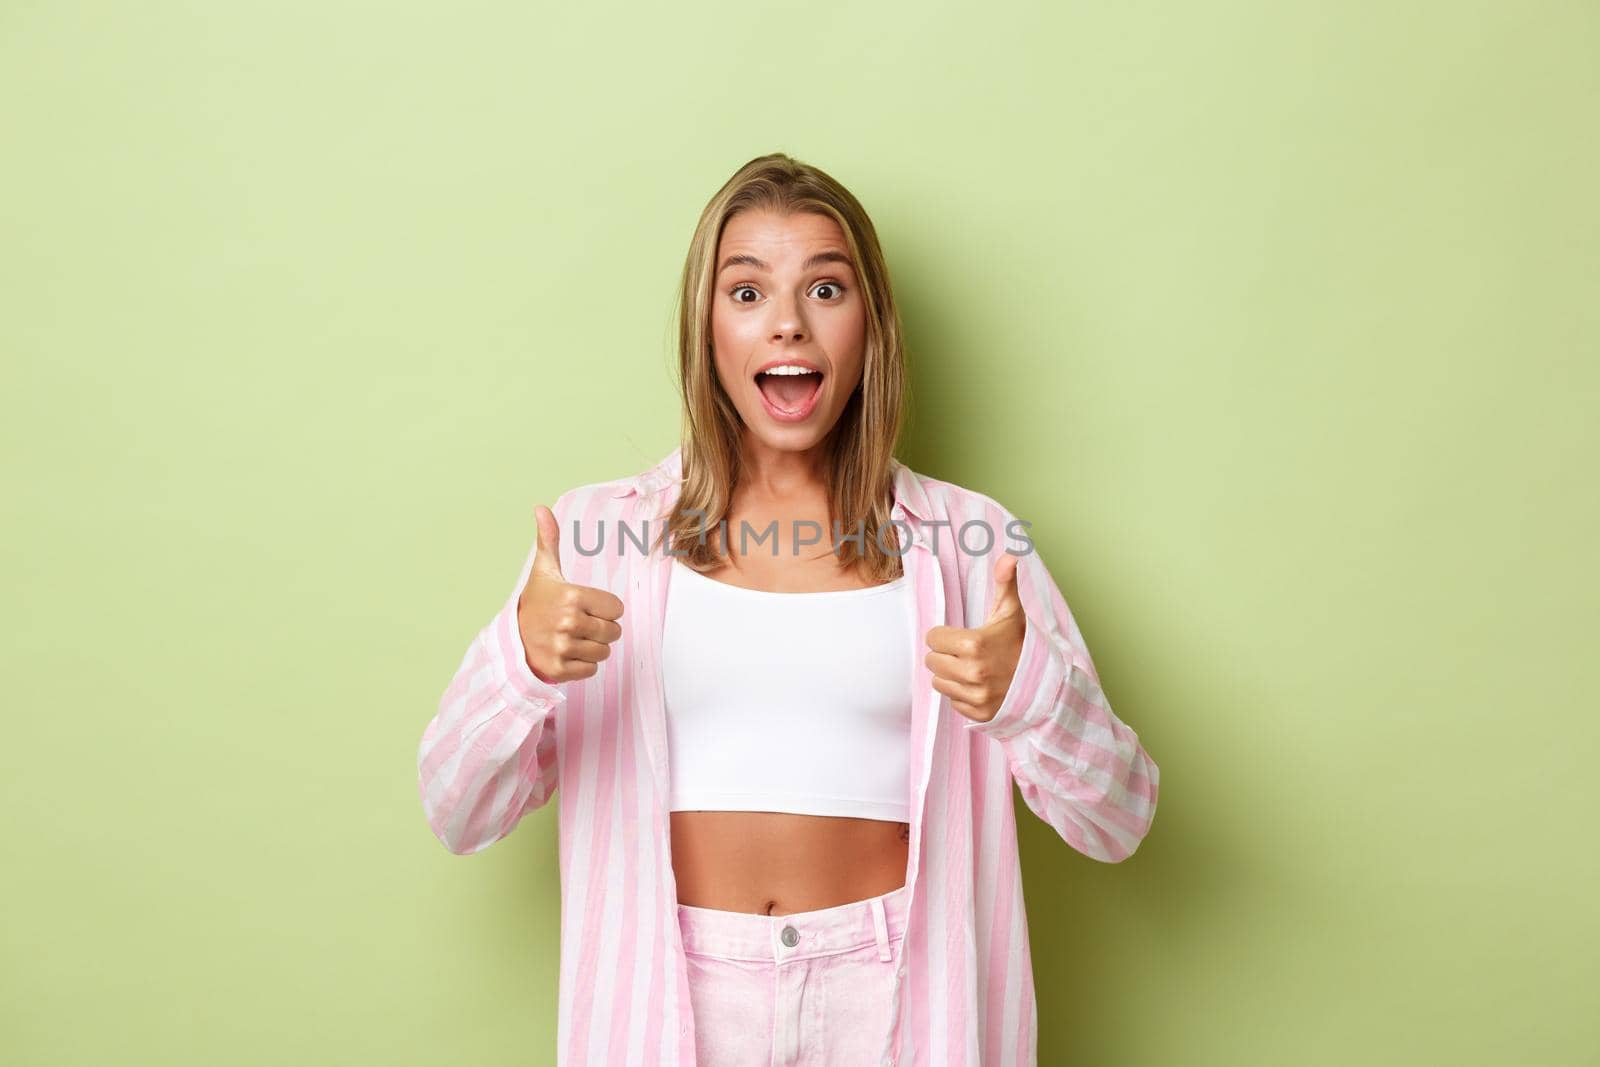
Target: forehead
773,236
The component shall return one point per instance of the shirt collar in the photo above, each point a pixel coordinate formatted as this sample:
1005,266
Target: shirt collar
908,491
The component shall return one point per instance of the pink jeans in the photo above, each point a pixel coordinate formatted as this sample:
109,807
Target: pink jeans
807,989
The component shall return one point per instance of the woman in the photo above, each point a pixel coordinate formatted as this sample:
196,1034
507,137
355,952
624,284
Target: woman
785,683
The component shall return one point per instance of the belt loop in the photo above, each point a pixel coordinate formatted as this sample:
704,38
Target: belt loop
881,925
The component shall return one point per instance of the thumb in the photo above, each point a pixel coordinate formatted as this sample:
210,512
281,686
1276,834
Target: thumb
547,553
1007,600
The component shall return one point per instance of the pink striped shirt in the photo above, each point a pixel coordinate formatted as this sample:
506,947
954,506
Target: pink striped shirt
503,740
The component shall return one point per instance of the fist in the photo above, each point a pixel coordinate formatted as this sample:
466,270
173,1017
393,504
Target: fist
566,629
974,667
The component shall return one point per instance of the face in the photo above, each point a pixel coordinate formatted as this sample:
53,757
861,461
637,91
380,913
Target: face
785,295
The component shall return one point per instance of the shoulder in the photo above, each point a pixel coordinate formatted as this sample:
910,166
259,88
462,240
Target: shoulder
946,500
592,519
610,498
971,523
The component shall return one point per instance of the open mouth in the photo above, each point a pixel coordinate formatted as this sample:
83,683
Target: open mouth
790,391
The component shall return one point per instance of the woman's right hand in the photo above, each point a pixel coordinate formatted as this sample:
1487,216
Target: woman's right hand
566,629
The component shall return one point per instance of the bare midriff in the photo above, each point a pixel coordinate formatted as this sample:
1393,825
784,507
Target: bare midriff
774,863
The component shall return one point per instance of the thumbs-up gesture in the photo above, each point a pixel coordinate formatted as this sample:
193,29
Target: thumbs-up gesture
566,629
974,667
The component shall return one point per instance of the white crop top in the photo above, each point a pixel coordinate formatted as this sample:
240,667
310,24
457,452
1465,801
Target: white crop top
793,702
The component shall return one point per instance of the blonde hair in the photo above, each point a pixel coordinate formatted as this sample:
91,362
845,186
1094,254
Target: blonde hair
860,446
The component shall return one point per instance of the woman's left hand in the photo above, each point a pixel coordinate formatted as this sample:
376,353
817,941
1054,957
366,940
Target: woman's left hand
974,667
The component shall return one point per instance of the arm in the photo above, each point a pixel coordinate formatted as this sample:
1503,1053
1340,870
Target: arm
1080,768
488,757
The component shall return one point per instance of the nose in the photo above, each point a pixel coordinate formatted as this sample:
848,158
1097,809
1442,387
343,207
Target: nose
789,320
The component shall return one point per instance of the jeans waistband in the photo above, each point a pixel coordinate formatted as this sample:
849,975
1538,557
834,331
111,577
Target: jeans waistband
743,935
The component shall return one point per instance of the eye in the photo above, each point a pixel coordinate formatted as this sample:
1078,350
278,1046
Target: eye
829,291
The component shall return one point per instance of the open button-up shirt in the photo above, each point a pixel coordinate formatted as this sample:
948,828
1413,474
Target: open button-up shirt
503,740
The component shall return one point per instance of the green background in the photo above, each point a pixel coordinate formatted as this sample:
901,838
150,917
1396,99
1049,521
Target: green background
1278,321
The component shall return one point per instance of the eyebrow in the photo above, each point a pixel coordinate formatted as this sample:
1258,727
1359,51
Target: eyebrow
746,260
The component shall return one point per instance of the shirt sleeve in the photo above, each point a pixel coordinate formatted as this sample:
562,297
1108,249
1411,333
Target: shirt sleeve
488,757
1080,768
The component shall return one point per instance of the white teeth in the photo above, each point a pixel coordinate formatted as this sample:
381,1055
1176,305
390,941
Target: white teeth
789,369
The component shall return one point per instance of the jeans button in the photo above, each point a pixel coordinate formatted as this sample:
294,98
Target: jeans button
791,936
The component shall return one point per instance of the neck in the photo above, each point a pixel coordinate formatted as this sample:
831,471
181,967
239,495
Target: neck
782,473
